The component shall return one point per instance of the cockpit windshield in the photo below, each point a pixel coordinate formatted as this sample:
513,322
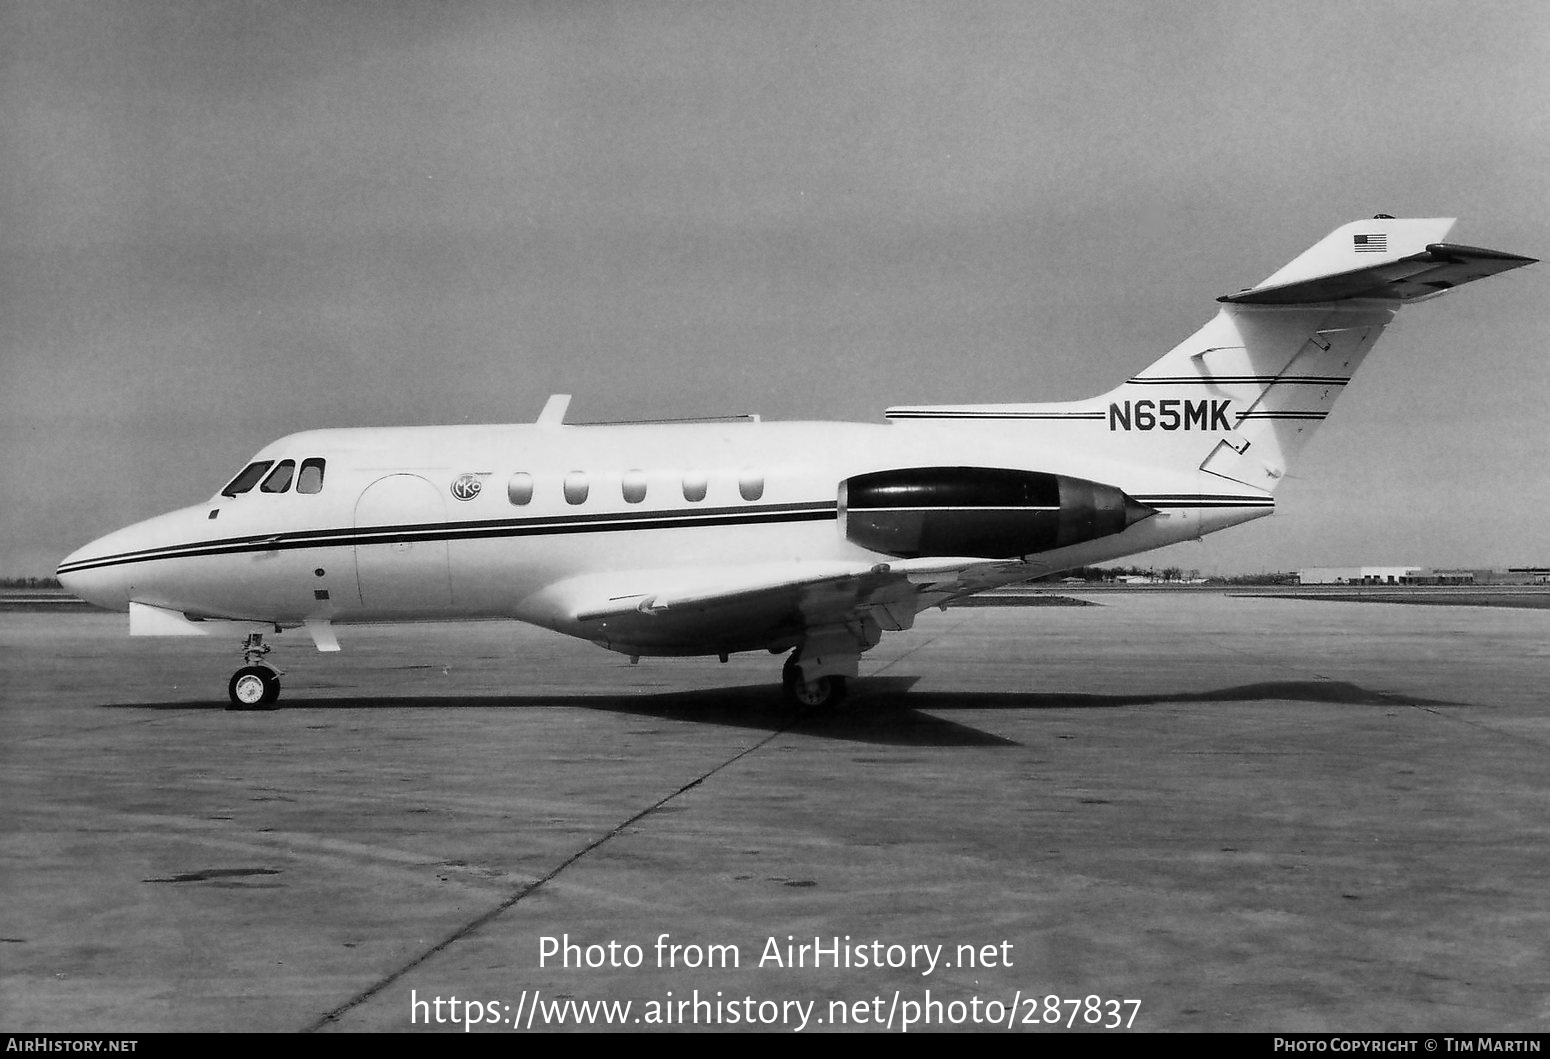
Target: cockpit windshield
248,478
311,478
280,480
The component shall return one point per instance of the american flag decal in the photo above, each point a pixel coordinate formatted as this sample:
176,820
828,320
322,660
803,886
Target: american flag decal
1370,244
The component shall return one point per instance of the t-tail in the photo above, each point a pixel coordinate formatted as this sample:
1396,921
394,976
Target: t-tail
1239,398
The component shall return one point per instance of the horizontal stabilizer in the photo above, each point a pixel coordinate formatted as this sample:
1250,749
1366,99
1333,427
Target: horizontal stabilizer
1383,258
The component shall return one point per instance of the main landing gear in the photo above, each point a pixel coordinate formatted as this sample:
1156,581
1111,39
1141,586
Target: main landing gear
256,686
819,692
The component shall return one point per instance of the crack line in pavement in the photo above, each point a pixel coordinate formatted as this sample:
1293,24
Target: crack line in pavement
880,670
1437,711
476,924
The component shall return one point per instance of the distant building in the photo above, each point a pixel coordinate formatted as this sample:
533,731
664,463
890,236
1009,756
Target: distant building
1360,575
1452,577
1391,575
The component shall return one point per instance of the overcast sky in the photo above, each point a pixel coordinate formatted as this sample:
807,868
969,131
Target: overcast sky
226,221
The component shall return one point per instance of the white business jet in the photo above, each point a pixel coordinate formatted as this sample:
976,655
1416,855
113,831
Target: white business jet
710,537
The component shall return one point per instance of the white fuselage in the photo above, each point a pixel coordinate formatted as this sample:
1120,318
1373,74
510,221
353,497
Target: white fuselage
567,514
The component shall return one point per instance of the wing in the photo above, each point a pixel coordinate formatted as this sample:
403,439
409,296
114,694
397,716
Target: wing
770,606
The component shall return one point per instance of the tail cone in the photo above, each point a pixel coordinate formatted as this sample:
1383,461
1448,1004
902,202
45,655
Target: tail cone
1135,511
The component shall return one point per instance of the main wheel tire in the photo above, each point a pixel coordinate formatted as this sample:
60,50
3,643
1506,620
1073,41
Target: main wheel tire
253,688
813,694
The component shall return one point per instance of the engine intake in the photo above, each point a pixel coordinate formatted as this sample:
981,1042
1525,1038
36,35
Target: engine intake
987,512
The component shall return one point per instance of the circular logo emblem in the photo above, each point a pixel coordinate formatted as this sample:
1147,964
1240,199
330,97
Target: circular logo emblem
467,486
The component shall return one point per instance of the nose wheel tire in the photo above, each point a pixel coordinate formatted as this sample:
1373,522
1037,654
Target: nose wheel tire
254,688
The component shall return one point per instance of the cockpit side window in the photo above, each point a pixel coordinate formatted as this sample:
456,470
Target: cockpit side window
311,478
279,479
248,478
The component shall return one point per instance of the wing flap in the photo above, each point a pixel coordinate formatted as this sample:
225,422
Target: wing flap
700,589
853,583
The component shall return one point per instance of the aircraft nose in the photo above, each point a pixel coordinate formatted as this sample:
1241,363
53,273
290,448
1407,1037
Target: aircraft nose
126,565
89,573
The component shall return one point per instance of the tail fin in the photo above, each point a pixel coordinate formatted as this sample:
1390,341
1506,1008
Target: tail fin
1241,397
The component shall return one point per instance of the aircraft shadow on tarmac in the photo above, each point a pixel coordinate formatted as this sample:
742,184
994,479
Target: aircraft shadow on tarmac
880,710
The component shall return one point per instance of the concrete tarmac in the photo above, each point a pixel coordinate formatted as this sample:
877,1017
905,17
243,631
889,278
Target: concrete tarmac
1246,814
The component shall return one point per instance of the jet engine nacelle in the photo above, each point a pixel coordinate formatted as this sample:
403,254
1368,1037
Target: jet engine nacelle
988,512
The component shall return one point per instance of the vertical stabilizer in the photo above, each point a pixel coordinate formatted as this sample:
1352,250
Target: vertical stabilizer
1241,397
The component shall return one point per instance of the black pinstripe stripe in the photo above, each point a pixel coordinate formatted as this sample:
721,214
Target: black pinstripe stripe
922,414
1198,500
1282,415
483,530
1268,380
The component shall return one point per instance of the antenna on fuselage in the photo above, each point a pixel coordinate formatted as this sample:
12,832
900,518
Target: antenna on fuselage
553,414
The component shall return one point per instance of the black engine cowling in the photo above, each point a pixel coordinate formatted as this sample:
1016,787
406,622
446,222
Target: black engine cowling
987,512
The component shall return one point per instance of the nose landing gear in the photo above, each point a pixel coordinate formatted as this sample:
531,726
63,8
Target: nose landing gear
256,686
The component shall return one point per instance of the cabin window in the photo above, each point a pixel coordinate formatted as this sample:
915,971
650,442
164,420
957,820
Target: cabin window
310,480
633,486
576,487
248,478
519,489
751,485
279,479
695,485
